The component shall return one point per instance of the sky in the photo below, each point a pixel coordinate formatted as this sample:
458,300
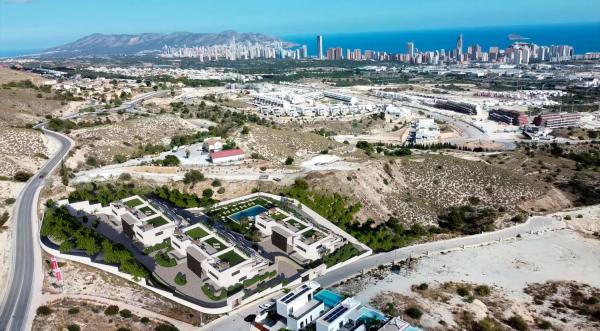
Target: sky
39,24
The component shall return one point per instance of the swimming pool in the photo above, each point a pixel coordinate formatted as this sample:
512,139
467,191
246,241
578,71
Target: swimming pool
366,313
329,298
248,212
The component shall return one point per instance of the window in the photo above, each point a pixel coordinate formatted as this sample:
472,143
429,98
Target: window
159,233
176,245
235,273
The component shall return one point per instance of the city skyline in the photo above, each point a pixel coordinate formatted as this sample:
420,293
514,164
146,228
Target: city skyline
41,24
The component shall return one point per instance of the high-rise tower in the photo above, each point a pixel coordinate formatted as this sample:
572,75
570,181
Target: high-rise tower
459,46
320,47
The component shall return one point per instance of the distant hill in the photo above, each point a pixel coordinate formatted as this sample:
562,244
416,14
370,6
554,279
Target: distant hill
98,44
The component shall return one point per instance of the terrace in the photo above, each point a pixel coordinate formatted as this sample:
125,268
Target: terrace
196,233
239,210
155,223
312,236
229,259
147,211
133,203
294,225
213,245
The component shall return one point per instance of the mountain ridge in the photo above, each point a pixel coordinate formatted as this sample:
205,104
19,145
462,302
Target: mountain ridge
98,44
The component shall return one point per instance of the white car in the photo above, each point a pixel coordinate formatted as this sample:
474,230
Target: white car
267,305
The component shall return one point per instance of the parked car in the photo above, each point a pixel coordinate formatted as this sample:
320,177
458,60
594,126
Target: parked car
267,305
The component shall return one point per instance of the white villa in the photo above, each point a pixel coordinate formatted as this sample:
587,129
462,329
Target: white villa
294,236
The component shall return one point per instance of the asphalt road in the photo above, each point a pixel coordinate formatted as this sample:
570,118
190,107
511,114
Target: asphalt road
535,224
16,304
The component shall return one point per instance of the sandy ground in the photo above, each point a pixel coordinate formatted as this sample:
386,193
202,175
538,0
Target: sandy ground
7,190
508,267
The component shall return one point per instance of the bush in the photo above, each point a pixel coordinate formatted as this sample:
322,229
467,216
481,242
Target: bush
462,291
91,161
180,279
221,190
193,177
545,325
289,160
4,218
111,310
73,311
216,183
568,217
423,286
518,323
10,201
44,310
124,176
413,312
145,320
73,327
207,193
485,324
126,313
482,290
22,176
166,327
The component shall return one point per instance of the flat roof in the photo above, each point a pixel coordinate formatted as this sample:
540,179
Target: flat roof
226,153
307,308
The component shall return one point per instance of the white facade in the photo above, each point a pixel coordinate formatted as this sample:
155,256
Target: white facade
296,299
143,222
348,311
212,145
424,130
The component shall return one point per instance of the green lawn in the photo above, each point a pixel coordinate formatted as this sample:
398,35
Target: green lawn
133,202
216,244
157,221
278,216
232,257
297,225
197,233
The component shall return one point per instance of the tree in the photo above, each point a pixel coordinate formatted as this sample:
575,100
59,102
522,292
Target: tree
518,323
111,310
289,160
414,312
193,177
91,161
170,161
245,130
207,193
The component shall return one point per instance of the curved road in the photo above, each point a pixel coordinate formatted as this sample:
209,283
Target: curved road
26,265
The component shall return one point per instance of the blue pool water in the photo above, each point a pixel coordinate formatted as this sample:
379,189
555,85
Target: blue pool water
329,298
367,313
249,212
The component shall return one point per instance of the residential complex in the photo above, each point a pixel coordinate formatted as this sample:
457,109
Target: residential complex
511,117
559,120
423,131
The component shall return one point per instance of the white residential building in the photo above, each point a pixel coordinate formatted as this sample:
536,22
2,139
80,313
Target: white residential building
214,257
296,237
299,307
345,315
424,131
142,222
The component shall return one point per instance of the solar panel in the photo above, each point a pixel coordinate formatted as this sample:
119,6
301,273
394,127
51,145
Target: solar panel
294,296
336,313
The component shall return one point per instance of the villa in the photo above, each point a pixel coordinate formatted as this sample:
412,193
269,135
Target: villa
210,255
142,222
294,236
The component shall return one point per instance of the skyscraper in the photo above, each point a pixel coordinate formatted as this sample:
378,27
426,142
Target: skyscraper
410,48
320,47
459,46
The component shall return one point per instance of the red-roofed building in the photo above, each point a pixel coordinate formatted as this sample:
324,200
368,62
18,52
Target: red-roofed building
229,155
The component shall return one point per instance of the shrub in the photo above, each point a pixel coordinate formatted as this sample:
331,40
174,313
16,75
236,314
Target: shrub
485,324
166,327
423,286
44,310
180,279
518,323
22,176
4,218
545,325
124,176
414,312
568,217
73,311
144,320
462,291
9,201
482,290
193,177
126,313
221,190
123,329
216,183
207,193
289,160
73,327
111,310
91,161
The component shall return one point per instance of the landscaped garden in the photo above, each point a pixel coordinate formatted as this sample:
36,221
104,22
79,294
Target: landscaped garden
147,211
215,243
133,203
232,258
157,221
196,233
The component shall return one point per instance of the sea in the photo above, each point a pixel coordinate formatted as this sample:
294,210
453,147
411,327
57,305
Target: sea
584,37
